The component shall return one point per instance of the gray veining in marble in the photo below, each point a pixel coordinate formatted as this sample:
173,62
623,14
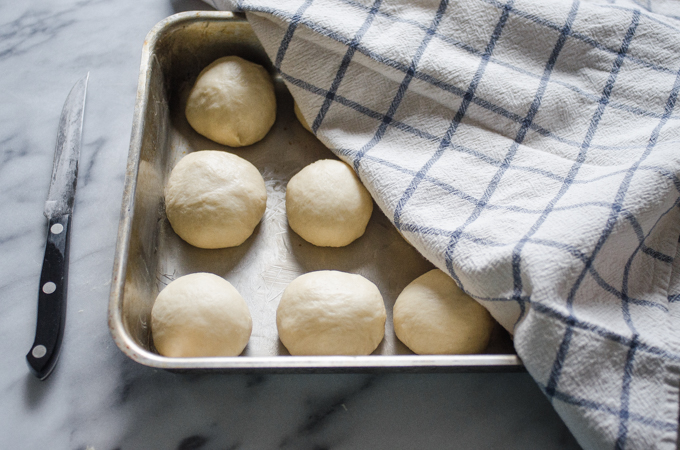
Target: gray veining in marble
97,398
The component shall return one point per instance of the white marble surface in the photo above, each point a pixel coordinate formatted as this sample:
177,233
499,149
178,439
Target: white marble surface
97,398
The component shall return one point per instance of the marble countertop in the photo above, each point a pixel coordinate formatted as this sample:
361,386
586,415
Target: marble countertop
97,398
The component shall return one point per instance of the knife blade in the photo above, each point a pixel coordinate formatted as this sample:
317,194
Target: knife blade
58,209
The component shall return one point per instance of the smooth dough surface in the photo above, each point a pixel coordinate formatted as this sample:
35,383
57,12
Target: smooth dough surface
433,316
301,118
214,199
327,205
200,314
232,102
331,313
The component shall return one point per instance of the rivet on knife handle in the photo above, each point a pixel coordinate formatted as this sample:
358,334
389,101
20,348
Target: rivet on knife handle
51,299
44,352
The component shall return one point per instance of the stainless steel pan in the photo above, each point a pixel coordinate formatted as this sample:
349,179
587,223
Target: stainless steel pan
149,255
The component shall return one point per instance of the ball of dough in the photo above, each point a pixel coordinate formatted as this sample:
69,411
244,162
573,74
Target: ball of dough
214,199
200,315
327,205
433,316
331,313
301,118
232,102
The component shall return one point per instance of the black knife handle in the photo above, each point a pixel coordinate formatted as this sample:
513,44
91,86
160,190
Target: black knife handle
51,299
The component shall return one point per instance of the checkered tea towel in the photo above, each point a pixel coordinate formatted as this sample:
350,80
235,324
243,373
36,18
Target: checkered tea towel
530,149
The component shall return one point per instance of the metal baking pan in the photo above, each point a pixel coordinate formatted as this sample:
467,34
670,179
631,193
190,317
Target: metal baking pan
149,255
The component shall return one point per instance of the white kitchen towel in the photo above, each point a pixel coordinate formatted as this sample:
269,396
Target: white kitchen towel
530,149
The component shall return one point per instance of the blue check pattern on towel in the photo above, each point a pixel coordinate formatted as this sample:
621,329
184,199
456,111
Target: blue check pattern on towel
530,149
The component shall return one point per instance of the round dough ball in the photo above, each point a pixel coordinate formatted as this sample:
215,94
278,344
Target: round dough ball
232,102
327,205
433,316
301,118
200,315
331,313
214,199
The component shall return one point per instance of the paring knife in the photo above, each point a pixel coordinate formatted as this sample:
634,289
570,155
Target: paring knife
58,209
